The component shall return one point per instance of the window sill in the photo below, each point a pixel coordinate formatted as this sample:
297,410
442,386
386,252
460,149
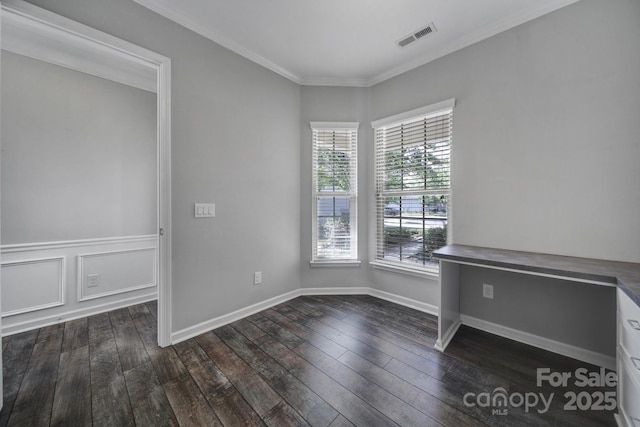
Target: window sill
411,271
335,263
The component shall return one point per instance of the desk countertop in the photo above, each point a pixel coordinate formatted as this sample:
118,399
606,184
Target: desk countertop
625,275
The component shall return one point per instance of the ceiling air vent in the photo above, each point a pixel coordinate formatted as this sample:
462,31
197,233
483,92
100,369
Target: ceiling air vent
417,35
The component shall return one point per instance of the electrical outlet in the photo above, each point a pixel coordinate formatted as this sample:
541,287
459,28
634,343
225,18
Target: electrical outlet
487,291
93,280
257,277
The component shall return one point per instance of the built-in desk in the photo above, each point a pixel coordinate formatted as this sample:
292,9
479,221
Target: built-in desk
626,276
623,276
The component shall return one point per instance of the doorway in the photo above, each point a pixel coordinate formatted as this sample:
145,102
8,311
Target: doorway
40,35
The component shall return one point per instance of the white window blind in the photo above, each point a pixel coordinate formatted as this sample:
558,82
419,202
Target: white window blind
413,153
335,191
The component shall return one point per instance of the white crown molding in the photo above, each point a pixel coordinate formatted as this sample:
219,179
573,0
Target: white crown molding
538,8
223,41
334,81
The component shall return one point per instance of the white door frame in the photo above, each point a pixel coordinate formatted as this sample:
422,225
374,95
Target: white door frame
31,31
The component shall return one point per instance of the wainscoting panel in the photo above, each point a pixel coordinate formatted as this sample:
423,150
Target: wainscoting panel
110,273
33,284
51,282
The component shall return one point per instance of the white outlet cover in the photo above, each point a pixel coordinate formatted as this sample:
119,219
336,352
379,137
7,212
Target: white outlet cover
487,291
93,280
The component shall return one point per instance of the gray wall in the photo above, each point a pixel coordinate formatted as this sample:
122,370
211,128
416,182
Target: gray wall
78,155
545,138
229,115
334,104
569,312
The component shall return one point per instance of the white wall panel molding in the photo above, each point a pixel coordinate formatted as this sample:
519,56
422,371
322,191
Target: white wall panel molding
45,282
32,284
117,272
39,246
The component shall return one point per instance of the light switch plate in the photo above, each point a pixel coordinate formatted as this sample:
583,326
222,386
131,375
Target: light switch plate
205,210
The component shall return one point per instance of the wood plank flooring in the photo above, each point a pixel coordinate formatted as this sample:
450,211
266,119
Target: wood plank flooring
315,360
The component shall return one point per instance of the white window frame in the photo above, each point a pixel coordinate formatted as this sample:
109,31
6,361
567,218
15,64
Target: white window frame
390,122
319,130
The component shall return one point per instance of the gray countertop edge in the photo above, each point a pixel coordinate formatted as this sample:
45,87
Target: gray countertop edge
631,293
623,274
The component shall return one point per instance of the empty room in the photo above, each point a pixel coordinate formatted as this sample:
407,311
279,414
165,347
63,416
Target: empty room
337,213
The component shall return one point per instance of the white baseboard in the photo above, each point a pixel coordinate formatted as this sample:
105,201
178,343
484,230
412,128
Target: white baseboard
442,343
365,290
201,328
53,319
217,322
558,347
407,302
336,290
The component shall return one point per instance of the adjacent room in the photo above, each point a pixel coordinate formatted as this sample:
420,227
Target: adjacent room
340,213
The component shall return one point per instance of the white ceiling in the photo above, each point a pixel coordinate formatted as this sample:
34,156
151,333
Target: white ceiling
347,42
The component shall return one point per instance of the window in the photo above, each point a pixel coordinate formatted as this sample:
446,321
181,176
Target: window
335,191
413,186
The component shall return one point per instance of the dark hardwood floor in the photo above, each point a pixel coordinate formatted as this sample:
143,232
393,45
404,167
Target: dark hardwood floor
321,361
